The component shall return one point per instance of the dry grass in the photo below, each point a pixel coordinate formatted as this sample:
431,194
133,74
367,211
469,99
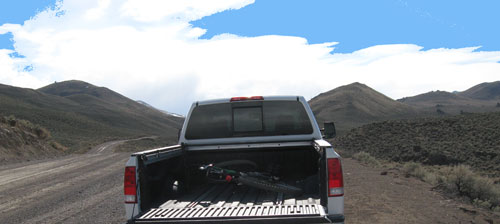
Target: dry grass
414,169
23,140
39,131
462,181
366,158
458,180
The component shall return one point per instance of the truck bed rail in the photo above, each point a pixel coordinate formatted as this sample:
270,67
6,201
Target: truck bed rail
154,155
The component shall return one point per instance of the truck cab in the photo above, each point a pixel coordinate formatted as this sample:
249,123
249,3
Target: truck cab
277,135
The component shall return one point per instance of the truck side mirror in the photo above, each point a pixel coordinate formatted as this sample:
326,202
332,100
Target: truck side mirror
329,130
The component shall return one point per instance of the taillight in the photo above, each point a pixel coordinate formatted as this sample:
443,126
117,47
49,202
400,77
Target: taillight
242,98
335,178
257,98
129,185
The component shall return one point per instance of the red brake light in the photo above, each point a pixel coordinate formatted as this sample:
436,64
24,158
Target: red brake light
129,185
257,98
239,98
242,98
335,178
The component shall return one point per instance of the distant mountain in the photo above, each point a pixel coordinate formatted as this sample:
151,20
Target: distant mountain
144,103
80,115
484,97
172,114
433,98
356,104
483,91
165,112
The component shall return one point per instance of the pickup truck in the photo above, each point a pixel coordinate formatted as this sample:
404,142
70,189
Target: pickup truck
274,138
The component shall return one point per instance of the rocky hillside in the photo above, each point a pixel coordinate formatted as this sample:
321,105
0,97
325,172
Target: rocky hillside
20,140
357,104
472,139
80,115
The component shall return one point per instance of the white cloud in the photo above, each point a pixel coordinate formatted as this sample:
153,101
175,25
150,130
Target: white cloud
147,50
13,71
185,10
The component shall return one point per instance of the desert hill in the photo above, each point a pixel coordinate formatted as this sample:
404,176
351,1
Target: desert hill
356,104
472,139
80,115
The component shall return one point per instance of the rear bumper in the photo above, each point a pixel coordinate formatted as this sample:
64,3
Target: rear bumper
336,218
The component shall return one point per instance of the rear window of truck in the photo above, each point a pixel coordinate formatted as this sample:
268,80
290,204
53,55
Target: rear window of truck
249,118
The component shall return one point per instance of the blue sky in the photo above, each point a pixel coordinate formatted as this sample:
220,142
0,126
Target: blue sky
17,12
158,50
355,24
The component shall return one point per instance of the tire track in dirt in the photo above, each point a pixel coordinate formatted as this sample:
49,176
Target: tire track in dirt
26,190
73,206
40,171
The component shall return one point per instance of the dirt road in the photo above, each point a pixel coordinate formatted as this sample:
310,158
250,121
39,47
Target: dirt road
84,188
108,147
88,189
74,189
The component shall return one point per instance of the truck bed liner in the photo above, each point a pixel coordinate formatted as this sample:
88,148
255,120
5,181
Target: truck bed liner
235,202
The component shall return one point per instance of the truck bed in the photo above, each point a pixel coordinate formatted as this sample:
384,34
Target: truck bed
215,201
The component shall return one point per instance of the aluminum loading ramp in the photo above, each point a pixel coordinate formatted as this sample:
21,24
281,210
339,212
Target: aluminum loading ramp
217,214
227,203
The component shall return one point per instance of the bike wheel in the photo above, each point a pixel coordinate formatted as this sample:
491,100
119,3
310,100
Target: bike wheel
269,186
236,163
